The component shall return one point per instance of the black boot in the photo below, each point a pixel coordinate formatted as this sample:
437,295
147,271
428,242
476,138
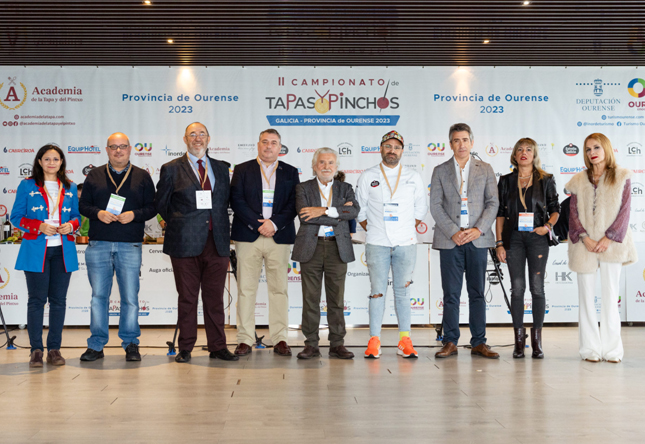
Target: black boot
520,342
536,343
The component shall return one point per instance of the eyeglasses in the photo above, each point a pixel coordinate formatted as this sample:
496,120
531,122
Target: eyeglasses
393,147
200,135
118,147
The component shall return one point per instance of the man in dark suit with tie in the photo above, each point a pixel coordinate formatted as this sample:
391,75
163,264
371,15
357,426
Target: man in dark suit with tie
324,247
192,198
263,199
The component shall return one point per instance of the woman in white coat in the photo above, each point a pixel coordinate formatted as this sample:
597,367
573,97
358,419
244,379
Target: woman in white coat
600,238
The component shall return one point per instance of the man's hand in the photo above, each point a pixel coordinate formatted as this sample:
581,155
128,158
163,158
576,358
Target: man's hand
66,228
126,218
266,229
590,244
348,204
364,224
312,212
602,245
417,222
470,235
458,237
48,230
107,217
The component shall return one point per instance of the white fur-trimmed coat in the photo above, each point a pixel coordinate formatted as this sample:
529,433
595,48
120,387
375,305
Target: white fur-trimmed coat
608,201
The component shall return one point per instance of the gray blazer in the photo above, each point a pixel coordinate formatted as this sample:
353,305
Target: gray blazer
308,195
445,203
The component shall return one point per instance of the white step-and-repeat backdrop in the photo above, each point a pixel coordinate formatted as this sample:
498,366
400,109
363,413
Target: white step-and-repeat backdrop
344,108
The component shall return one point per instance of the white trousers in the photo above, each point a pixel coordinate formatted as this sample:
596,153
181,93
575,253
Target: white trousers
604,342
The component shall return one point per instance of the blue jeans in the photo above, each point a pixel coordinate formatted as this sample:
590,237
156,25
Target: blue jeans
453,263
50,285
379,261
103,259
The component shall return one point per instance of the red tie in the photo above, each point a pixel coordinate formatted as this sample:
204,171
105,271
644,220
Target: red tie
207,186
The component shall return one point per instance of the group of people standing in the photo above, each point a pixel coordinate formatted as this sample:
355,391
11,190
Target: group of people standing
265,194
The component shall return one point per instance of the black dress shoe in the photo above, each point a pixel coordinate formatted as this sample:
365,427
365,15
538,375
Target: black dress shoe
92,355
340,352
309,352
132,352
224,354
183,356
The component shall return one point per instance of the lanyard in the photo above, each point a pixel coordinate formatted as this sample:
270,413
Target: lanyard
264,174
523,193
202,179
49,196
331,192
122,182
388,182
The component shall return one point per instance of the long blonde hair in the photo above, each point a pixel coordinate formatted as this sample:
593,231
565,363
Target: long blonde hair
610,159
537,164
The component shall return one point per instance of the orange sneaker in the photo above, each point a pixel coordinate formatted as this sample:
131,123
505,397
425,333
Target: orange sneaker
405,348
373,348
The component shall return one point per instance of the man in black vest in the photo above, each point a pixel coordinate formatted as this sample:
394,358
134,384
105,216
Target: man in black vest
192,198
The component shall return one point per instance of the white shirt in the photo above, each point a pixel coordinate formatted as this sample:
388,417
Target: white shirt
267,212
210,173
52,188
331,212
411,196
462,174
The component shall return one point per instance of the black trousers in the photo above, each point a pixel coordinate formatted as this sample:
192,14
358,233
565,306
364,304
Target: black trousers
325,262
208,272
527,247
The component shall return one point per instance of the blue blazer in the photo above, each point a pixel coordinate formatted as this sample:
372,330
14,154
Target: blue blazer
246,202
30,209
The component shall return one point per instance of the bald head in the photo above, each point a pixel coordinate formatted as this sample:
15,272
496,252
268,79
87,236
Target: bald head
197,139
118,150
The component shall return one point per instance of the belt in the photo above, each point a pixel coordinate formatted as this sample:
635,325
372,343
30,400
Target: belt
327,238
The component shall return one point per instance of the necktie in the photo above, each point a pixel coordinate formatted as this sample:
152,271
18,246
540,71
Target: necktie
207,186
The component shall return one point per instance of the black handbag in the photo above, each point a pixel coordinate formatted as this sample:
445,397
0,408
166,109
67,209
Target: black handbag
553,238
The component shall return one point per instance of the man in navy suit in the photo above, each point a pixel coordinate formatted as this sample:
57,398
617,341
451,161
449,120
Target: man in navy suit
263,199
192,197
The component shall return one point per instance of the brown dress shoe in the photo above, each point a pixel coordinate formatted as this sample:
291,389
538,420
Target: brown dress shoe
309,352
54,358
340,352
448,349
282,349
36,358
243,349
485,351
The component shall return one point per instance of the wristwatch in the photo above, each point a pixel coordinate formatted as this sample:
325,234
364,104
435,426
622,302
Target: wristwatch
326,211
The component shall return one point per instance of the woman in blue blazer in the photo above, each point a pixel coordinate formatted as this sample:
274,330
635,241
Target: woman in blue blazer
46,209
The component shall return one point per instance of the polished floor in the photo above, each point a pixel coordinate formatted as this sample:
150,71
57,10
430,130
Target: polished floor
265,398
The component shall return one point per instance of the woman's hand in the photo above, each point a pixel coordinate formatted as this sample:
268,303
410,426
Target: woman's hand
541,230
501,253
66,228
602,245
590,244
48,230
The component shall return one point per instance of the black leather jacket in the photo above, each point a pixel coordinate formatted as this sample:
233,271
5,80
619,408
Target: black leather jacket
544,202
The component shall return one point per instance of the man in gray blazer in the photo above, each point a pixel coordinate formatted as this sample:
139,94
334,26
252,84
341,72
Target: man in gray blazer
463,203
323,246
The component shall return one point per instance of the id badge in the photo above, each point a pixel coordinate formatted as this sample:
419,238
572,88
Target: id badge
115,204
55,223
464,206
267,198
203,199
391,212
329,231
525,222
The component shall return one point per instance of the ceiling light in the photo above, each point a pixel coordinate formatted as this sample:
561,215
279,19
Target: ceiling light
526,3
171,41
486,42
147,2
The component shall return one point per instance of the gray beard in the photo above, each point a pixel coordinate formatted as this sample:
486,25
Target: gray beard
390,162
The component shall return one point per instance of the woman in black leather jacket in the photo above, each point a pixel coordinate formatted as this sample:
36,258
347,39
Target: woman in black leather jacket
528,209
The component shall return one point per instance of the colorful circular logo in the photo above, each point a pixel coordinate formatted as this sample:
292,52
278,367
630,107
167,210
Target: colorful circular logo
632,91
